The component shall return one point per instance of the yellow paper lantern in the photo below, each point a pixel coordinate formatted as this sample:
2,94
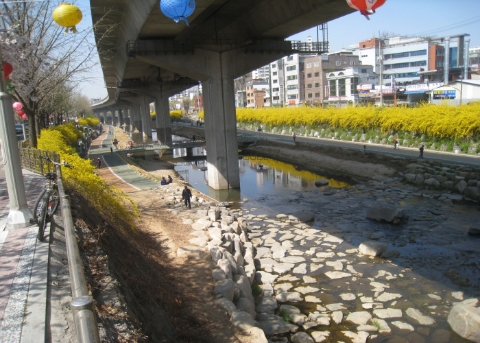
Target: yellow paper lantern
68,16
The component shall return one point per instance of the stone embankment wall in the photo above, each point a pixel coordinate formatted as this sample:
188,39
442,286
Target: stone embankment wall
461,180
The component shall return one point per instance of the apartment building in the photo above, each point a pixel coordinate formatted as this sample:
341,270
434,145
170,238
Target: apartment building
257,93
317,90
411,61
277,83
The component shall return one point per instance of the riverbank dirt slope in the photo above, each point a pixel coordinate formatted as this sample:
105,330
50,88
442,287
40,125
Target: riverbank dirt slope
167,298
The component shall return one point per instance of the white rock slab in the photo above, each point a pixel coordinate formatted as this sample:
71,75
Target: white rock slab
419,317
388,313
359,318
403,326
289,297
359,337
337,275
320,336
384,297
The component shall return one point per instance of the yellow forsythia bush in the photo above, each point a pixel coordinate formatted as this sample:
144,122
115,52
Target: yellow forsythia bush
176,115
112,203
433,120
89,121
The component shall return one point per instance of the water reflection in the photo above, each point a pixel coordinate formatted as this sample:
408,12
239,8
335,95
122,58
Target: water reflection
259,177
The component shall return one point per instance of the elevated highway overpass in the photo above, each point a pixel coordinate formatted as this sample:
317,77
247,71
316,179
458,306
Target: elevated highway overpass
147,57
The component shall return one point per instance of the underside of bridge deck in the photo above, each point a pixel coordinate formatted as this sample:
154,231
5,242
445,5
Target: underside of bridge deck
145,53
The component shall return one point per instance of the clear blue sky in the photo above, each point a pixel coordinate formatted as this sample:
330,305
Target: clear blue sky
437,18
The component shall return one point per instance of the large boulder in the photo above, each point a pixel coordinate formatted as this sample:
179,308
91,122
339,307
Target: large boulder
372,248
390,215
464,319
302,216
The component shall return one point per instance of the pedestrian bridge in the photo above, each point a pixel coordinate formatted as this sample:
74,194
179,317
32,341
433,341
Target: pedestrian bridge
243,141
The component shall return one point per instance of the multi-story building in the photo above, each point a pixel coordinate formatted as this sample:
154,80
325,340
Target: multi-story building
317,90
277,83
412,61
257,93
261,73
344,85
293,82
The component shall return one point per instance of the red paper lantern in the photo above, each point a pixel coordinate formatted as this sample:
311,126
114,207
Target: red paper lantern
366,7
24,116
20,113
7,70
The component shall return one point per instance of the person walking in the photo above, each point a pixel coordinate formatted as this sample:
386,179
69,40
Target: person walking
294,137
421,151
99,163
186,195
395,142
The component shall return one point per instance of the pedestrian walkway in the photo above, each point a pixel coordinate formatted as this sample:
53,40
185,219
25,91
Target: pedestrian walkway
101,148
23,271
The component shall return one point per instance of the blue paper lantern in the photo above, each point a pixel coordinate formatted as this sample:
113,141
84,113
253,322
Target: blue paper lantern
177,9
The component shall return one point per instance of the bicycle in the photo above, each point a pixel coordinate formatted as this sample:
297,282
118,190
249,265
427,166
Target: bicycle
47,201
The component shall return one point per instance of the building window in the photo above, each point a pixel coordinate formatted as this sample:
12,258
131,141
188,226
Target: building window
333,87
317,95
309,75
353,85
316,63
439,64
317,74
418,53
290,58
275,81
274,73
309,95
291,77
309,65
317,84
364,71
291,96
274,66
352,63
276,89
309,85
341,87
292,87
418,64
290,68
338,63
276,98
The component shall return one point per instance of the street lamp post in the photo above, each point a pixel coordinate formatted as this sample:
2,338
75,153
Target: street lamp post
19,215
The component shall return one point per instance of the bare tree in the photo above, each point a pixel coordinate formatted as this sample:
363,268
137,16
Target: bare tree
47,63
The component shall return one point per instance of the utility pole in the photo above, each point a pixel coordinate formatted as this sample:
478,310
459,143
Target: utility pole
380,60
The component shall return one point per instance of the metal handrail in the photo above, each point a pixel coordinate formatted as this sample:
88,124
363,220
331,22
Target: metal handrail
82,303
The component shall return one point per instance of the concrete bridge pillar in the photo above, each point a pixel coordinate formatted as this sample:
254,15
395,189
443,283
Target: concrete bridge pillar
217,71
162,120
137,120
121,118
146,119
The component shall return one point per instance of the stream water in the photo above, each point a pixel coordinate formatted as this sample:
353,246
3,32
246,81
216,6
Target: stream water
434,263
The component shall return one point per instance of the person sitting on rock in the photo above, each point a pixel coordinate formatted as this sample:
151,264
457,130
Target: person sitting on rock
169,179
164,181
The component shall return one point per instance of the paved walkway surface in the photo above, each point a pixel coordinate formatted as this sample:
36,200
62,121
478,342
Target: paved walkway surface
32,302
23,270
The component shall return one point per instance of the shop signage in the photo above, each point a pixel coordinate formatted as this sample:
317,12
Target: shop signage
444,94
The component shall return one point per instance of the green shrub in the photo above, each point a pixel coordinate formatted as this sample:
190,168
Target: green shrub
112,203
